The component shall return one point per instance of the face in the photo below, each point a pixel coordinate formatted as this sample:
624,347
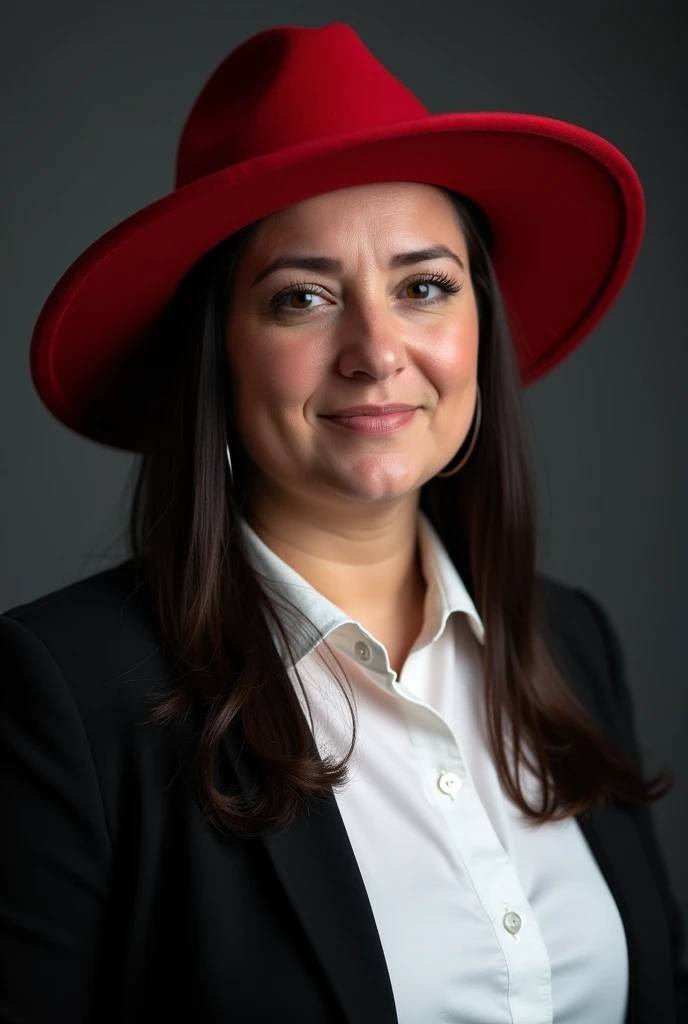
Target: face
364,325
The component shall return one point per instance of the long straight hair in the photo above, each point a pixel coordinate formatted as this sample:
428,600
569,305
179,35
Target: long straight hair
214,610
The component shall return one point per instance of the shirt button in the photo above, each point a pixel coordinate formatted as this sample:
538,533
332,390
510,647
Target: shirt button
362,651
450,783
512,922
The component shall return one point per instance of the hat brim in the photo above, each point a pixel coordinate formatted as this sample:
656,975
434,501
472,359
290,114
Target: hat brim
566,208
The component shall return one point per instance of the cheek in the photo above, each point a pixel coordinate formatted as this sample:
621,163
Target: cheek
288,377
453,356
282,376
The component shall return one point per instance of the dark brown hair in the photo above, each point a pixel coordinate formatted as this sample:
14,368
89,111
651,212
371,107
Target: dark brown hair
214,610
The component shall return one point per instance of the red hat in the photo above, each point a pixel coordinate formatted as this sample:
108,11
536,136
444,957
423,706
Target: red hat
294,112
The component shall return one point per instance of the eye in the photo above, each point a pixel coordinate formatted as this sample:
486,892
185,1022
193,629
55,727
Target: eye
301,292
304,291
444,282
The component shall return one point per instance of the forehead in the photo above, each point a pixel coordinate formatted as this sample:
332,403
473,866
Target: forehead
387,214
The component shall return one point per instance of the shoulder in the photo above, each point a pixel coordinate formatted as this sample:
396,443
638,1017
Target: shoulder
583,640
94,640
96,592
579,620
80,668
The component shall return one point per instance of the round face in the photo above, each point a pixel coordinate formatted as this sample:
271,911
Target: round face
361,296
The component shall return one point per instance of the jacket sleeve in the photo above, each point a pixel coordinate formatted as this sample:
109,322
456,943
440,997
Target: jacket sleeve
55,855
625,711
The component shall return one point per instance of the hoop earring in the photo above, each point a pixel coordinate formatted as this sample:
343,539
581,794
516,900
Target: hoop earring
450,472
476,428
229,462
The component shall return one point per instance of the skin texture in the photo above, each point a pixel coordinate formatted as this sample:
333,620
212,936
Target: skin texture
339,507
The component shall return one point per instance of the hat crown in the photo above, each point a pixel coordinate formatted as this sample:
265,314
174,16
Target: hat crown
286,86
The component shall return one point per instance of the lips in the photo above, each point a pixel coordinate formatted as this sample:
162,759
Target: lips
370,410
370,424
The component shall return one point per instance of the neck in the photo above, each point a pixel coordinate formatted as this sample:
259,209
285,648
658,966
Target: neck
367,563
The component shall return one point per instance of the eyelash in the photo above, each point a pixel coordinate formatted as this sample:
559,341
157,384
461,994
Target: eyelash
442,280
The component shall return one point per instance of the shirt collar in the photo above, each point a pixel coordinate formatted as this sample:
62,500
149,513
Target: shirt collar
447,592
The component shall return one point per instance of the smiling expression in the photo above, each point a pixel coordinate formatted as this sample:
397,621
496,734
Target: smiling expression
358,296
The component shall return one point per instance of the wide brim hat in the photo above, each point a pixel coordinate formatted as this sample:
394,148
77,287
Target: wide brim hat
295,112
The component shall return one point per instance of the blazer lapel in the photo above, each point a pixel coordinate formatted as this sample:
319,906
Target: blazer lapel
615,842
616,845
317,867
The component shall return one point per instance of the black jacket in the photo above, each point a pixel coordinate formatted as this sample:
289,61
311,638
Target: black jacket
118,904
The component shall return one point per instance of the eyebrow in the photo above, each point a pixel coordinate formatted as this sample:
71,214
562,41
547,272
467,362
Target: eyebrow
331,265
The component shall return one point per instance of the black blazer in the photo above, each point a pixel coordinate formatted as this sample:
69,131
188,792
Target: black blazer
117,904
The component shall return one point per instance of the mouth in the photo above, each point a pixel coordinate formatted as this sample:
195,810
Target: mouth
373,423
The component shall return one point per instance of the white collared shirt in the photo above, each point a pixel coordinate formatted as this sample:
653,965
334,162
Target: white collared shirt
484,917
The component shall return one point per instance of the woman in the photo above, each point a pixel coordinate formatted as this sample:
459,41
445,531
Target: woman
327,747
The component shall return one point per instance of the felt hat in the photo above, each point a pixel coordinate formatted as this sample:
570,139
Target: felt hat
295,112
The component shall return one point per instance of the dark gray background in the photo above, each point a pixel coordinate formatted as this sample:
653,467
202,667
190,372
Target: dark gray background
94,97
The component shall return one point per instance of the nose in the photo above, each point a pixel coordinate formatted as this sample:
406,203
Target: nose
373,343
